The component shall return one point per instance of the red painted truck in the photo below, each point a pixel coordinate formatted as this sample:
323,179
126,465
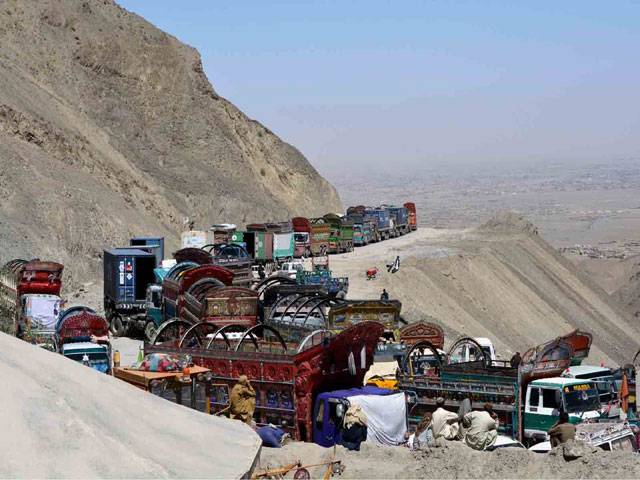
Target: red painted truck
301,237
21,279
287,376
413,218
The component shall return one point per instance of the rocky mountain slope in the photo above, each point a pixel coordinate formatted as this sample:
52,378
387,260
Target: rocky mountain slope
109,128
502,281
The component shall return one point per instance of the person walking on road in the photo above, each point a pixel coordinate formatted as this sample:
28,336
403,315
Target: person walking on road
384,296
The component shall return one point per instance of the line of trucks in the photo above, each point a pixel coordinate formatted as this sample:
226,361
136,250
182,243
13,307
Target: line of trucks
277,242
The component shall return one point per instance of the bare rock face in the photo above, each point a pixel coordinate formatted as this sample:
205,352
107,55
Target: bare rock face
109,128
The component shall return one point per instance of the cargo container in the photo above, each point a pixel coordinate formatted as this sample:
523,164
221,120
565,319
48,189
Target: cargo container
301,237
283,246
380,218
266,246
400,215
413,217
258,244
127,274
153,245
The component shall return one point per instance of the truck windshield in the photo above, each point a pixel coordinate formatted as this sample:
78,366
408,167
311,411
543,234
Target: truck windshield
581,398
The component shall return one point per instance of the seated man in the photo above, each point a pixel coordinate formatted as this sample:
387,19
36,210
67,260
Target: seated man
482,428
562,431
444,423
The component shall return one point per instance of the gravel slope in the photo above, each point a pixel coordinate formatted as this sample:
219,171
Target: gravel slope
63,420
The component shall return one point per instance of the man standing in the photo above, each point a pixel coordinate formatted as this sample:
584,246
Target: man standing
444,423
482,428
562,431
242,400
515,360
384,295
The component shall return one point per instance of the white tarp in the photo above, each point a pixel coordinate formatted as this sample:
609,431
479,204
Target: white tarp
43,310
386,417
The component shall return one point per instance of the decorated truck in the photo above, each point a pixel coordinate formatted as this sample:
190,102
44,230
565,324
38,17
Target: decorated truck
83,336
320,231
301,237
527,399
400,216
340,233
381,221
287,376
413,216
265,243
30,299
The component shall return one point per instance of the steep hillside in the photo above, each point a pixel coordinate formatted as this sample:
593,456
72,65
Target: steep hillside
501,281
109,128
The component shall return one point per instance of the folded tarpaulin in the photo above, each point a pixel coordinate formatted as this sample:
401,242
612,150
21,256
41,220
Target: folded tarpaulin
386,417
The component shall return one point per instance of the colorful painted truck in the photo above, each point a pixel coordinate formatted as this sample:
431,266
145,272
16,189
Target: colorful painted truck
340,233
320,232
413,216
527,400
301,237
266,244
83,336
29,297
362,230
195,280
323,278
287,376
400,216
221,306
381,220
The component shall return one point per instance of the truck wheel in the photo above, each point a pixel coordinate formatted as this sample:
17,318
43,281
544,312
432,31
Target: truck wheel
150,331
116,326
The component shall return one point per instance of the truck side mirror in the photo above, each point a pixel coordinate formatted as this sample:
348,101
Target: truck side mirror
558,398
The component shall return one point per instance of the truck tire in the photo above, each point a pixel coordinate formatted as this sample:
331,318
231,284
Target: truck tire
150,331
116,325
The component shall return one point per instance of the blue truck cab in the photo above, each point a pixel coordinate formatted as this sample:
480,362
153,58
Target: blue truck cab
329,410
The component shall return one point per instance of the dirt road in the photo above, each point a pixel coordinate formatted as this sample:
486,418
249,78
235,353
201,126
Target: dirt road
500,281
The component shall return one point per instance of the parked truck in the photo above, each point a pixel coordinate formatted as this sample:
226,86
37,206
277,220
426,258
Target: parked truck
413,217
340,233
526,406
382,222
400,216
128,272
29,298
362,229
301,237
320,232
267,242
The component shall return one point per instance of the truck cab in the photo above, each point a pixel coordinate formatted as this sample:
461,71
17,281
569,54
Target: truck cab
302,244
94,355
546,397
601,376
291,269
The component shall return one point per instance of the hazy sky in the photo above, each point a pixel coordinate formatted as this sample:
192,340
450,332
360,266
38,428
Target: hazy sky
354,83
